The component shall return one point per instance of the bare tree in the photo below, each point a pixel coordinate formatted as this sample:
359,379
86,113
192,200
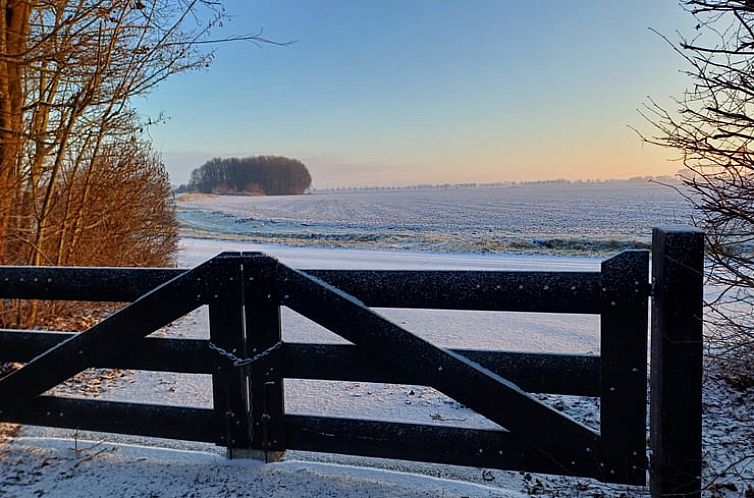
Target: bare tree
712,127
72,148
14,27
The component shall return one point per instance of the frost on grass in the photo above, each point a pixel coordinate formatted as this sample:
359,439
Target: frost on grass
559,219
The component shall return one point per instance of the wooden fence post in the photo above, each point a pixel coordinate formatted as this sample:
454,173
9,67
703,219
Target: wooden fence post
676,362
264,343
228,339
623,376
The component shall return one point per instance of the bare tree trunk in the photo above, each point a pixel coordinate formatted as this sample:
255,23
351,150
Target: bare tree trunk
14,30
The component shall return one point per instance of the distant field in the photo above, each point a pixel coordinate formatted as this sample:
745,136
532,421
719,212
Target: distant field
551,218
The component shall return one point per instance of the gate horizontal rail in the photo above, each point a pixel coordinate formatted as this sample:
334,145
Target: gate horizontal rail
449,445
542,292
140,419
417,442
534,372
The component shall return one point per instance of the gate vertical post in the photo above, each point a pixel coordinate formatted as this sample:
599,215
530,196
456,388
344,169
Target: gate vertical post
624,281
263,331
676,362
227,335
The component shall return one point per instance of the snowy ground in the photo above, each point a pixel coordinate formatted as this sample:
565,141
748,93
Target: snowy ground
36,465
546,218
58,468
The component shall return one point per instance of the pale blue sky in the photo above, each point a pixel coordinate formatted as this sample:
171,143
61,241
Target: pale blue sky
399,92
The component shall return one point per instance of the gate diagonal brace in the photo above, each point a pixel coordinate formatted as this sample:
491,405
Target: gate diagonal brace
466,381
109,337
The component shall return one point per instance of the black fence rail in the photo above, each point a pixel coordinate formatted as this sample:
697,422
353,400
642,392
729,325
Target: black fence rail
248,360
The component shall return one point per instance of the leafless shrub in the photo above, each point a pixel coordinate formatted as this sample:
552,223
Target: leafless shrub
712,127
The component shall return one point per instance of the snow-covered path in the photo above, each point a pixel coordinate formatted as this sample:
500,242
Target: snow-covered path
60,468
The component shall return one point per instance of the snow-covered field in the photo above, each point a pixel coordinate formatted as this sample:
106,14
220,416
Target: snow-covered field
36,463
533,218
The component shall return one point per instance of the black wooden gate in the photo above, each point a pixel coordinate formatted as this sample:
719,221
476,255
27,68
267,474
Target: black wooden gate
248,359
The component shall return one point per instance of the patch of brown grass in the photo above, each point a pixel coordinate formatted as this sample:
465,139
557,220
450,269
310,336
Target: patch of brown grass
8,431
194,196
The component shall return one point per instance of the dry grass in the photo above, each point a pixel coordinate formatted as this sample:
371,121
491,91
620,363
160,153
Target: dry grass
194,196
7,431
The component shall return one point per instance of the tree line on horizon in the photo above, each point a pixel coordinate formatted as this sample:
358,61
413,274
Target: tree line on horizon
256,175
507,183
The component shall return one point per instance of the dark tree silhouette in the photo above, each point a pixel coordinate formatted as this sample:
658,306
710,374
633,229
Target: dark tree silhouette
263,175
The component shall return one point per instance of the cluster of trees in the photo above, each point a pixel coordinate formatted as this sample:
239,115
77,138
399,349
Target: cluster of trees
79,185
262,175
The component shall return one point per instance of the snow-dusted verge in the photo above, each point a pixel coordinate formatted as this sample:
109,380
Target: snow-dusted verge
67,468
44,467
